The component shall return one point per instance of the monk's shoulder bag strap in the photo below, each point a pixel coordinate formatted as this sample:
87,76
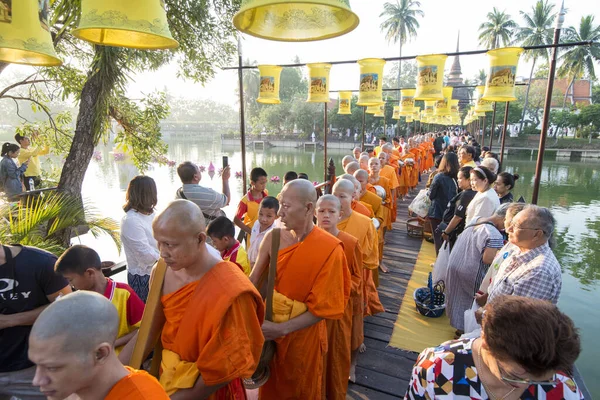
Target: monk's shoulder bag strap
262,373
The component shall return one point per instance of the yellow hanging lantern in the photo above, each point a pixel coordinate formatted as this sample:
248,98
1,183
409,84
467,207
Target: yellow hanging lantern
371,81
380,111
396,114
482,105
25,35
416,113
442,107
372,109
407,101
137,24
318,75
430,77
500,84
269,84
409,119
454,110
345,107
429,104
295,20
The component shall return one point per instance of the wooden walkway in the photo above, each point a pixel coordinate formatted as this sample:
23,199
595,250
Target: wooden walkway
383,372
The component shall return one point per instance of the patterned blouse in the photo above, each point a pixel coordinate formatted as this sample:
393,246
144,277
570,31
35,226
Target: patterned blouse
449,372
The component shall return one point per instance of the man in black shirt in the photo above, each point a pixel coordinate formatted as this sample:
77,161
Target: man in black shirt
27,285
438,144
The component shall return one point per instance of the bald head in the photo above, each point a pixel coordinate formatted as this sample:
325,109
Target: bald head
182,215
364,161
356,151
302,190
361,174
329,198
84,319
347,160
344,185
352,167
388,147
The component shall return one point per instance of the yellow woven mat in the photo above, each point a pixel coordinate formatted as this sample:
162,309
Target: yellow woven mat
413,331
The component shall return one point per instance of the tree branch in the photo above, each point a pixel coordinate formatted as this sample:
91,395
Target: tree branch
22,83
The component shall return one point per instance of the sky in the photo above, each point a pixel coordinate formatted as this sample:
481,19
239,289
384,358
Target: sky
437,34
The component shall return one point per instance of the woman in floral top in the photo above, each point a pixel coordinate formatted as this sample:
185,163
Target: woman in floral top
526,351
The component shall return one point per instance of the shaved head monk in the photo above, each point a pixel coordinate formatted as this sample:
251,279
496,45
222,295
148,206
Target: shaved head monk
357,206
367,197
72,345
351,167
363,230
347,160
212,314
312,285
364,162
342,336
356,152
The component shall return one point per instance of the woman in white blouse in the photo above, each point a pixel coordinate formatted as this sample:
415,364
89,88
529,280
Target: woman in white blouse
486,201
141,250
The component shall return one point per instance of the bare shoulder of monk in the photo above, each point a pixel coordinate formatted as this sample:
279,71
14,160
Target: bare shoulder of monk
264,253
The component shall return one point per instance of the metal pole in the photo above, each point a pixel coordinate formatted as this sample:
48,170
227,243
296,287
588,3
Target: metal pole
363,128
483,131
547,104
325,161
242,117
504,134
493,126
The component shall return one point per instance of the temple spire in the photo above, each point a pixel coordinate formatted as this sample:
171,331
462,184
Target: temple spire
458,42
455,71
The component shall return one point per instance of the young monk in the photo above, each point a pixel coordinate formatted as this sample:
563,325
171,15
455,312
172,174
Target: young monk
212,314
313,284
391,174
364,162
369,198
363,230
352,167
357,205
376,179
71,343
342,336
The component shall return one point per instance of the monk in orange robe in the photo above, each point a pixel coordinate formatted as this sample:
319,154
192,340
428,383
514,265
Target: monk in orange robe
312,285
369,198
391,174
78,333
362,229
357,205
342,335
376,179
212,313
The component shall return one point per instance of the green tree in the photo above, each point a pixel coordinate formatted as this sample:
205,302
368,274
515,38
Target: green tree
536,31
578,61
497,30
400,24
595,93
408,76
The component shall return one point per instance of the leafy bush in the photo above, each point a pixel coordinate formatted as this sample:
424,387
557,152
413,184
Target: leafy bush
531,130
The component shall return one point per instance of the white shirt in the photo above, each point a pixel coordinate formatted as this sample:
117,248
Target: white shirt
483,205
141,250
256,240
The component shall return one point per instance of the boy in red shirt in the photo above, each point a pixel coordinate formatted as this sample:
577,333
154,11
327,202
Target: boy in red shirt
222,233
247,211
82,267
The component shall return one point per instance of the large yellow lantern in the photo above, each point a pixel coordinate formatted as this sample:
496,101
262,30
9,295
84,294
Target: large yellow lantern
482,105
396,113
500,84
269,84
430,77
442,107
407,101
416,114
429,104
25,35
371,81
345,106
137,24
409,118
318,78
295,20
454,109
380,111
372,109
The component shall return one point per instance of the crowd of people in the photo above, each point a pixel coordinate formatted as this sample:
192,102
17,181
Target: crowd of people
316,261
20,168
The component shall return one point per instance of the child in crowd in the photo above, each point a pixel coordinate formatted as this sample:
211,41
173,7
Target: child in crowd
82,267
247,211
222,233
267,214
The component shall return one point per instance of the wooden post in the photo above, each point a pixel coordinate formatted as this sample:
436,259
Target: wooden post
363,128
242,117
483,131
504,134
493,126
330,176
325,141
546,117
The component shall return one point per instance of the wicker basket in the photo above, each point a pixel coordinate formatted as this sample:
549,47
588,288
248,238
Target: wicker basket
414,228
430,300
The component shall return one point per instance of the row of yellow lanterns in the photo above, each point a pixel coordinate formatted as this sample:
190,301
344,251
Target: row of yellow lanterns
25,30
500,85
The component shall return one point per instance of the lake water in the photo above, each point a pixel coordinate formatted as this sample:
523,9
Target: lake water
570,189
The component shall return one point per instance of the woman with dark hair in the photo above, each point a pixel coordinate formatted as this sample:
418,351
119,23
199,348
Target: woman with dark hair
527,351
486,200
442,189
11,175
503,186
31,153
141,250
456,211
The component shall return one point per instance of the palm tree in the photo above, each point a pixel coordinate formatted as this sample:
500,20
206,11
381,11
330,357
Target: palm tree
401,23
497,30
579,61
536,31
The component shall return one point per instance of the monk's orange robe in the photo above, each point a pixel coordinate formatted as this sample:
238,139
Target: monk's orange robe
387,203
391,174
362,229
314,272
361,209
341,333
213,325
138,385
373,201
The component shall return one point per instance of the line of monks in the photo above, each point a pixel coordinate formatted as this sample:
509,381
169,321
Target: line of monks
210,319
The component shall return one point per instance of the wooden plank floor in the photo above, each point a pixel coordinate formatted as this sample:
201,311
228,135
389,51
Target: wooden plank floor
383,372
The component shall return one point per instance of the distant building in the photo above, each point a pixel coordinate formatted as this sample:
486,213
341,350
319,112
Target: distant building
580,93
455,79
